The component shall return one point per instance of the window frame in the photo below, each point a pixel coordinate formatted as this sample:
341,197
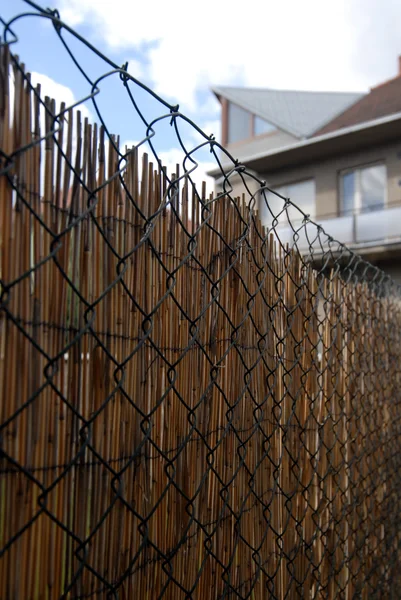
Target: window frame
279,187
358,208
265,133
250,123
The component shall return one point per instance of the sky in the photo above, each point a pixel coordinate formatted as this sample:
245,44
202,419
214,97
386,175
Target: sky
181,49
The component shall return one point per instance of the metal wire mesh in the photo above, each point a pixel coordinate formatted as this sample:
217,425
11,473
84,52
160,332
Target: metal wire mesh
195,404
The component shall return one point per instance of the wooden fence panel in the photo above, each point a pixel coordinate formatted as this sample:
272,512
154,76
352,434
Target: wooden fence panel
189,409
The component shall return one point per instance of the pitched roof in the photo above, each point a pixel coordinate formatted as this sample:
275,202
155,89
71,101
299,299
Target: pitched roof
298,113
383,100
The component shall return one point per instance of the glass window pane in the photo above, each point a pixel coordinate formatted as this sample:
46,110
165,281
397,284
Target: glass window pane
239,123
271,205
348,192
303,195
261,126
373,187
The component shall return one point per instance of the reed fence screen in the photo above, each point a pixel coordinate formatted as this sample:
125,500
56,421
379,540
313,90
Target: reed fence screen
191,408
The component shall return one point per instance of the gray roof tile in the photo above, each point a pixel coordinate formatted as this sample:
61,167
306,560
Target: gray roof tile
298,113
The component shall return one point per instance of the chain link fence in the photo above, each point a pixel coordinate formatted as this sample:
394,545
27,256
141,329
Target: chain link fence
195,404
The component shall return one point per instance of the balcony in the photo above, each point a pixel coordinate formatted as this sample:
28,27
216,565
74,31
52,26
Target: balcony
362,231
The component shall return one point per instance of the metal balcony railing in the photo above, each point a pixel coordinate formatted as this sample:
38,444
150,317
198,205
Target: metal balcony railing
361,228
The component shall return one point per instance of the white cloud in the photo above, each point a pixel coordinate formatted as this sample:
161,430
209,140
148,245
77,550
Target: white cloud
58,92
290,44
210,106
213,127
173,157
136,69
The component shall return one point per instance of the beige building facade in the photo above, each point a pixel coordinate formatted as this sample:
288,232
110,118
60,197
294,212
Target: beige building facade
340,163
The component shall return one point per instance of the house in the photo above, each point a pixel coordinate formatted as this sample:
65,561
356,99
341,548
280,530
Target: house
336,155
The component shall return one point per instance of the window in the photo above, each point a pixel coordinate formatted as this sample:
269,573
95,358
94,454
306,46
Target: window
239,123
242,125
363,189
261,126
302,194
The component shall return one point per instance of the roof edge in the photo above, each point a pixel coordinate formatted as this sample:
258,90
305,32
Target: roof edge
324,123
219,89
315,140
